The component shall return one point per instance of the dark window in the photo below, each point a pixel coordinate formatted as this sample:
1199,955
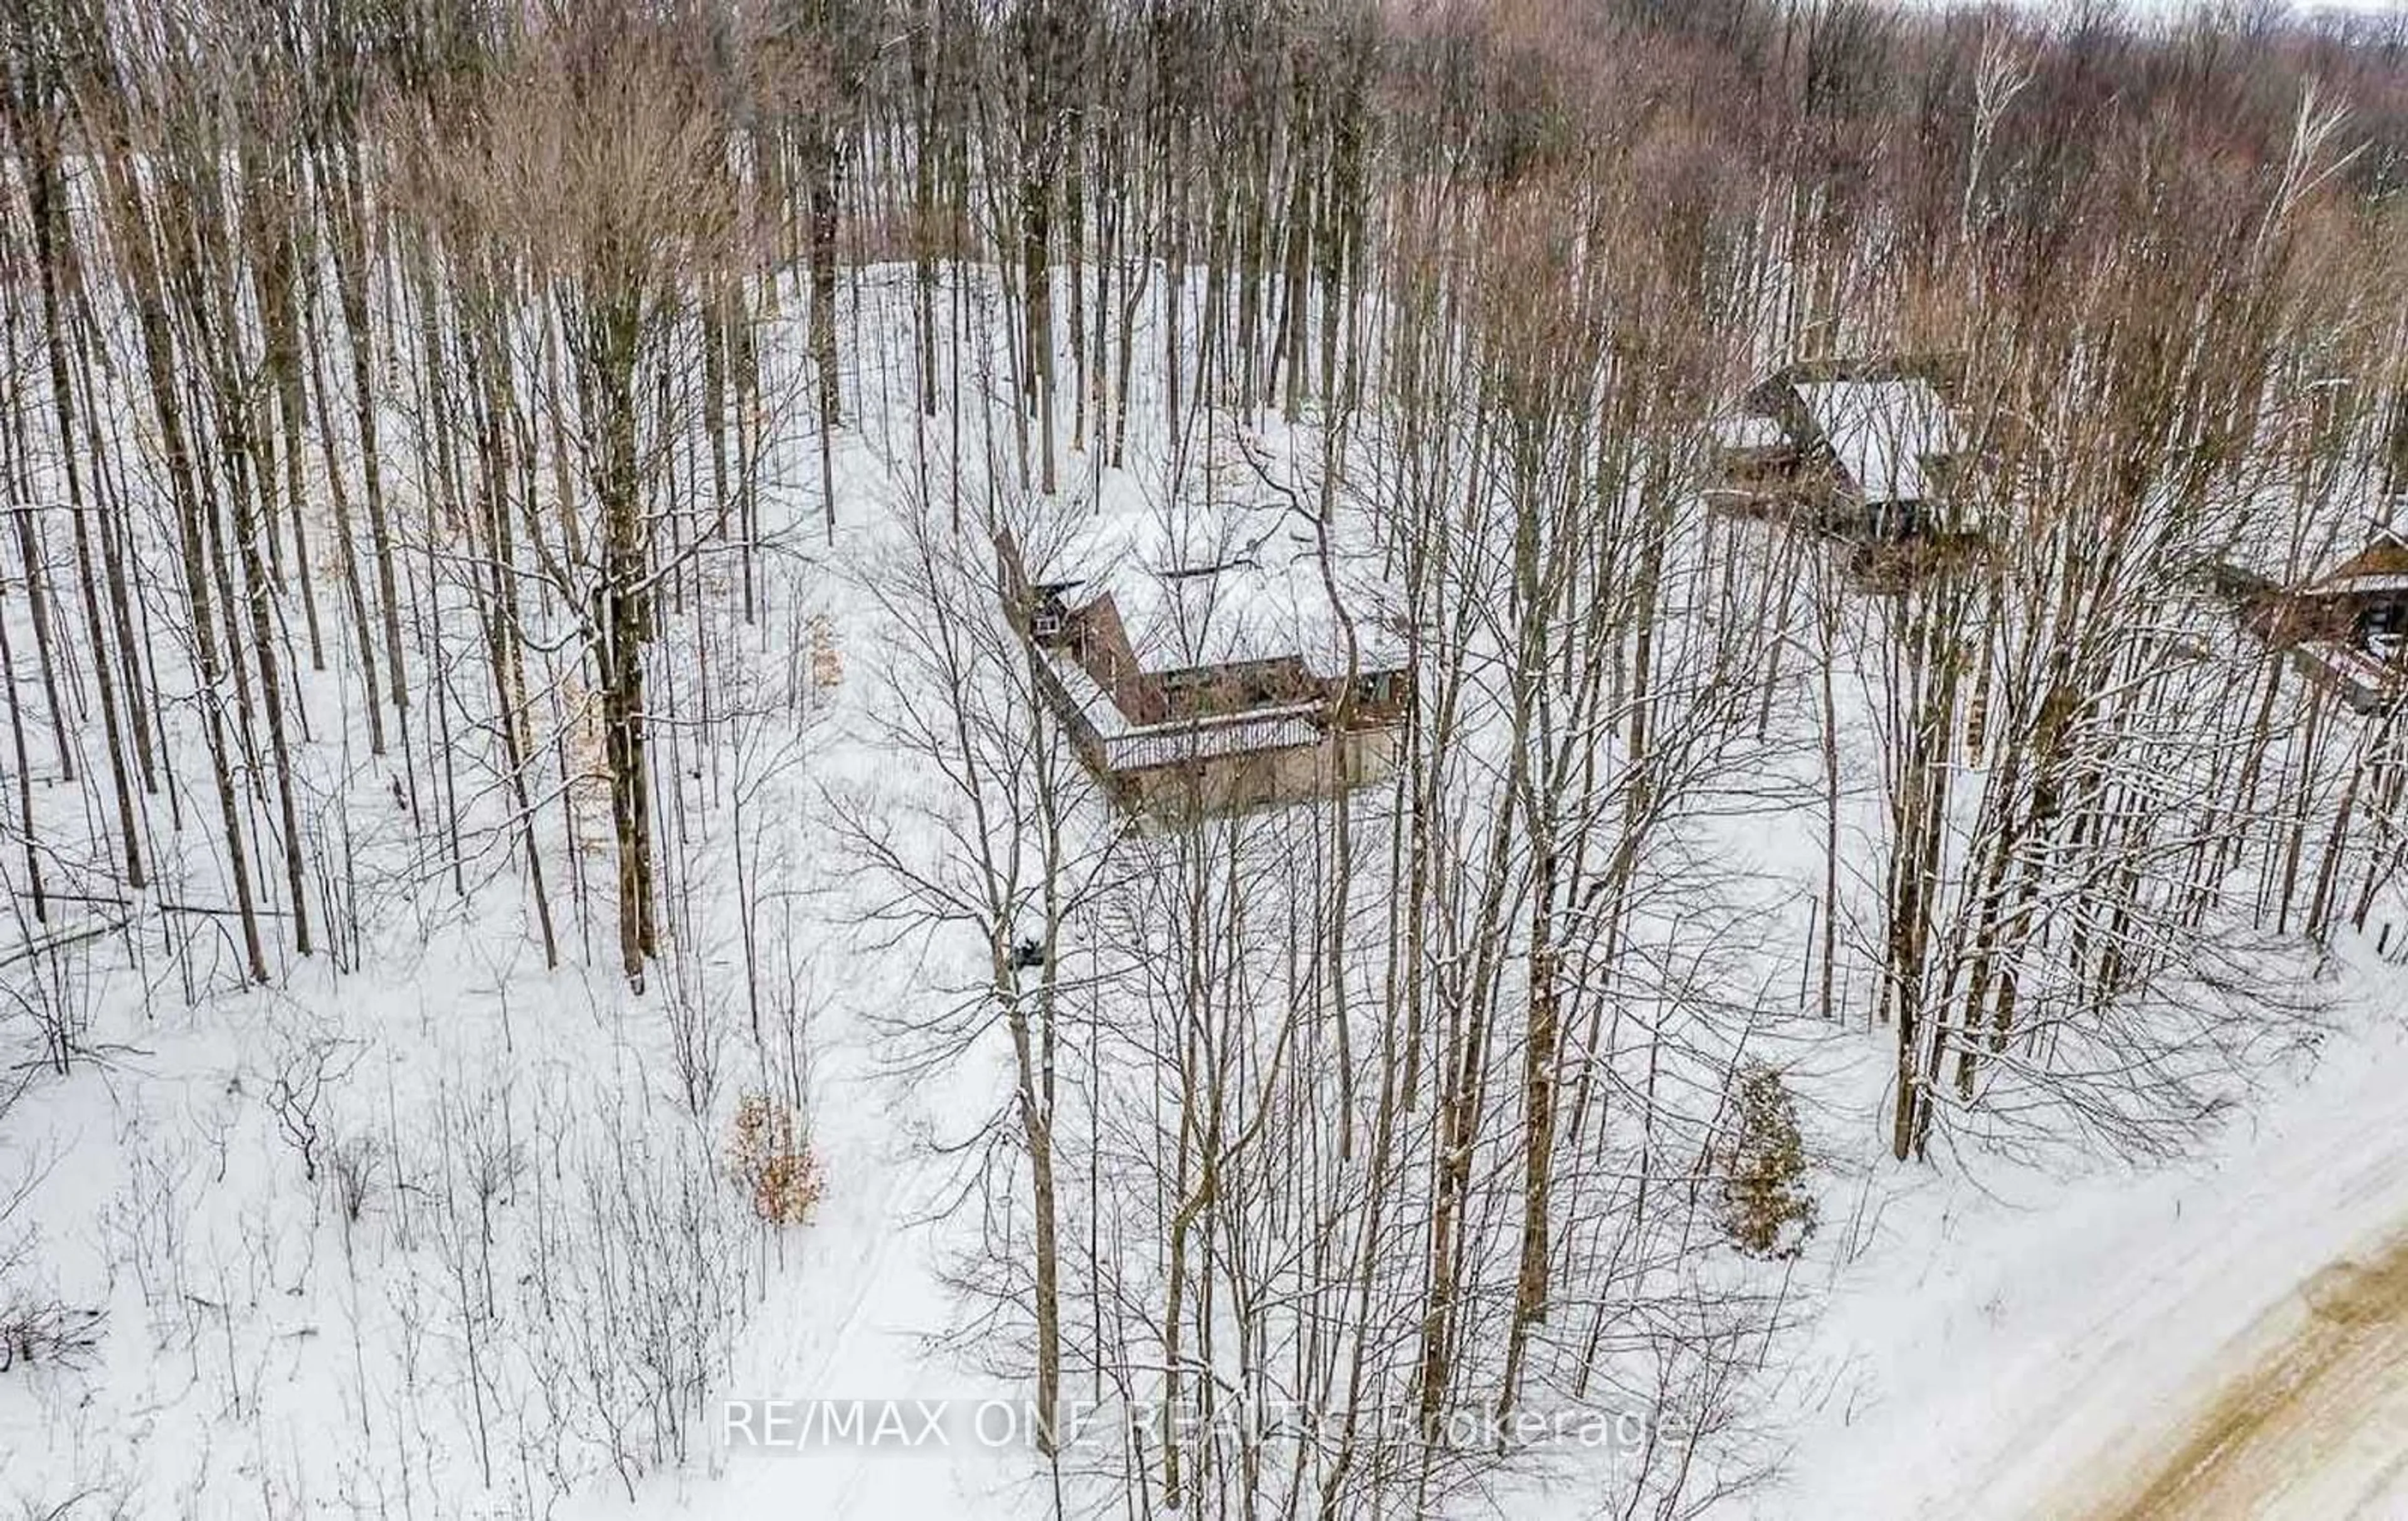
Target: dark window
2384,625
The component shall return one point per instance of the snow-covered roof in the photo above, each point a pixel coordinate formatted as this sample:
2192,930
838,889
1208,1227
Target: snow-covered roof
1219,586
2364,678
1181,743
1749,430
1128,747
1884,432
2384,585
2380,569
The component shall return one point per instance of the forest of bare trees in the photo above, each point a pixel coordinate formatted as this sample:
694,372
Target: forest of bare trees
519,487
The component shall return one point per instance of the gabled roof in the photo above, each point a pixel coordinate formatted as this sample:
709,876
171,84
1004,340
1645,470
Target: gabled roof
1945,372
1748,431
2380,568
1885,418
1884,432
1226,585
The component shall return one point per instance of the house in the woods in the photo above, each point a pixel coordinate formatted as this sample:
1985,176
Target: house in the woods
1210,660
1867,448
2348,629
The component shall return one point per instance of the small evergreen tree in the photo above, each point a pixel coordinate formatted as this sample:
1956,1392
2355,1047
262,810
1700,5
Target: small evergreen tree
1766,1209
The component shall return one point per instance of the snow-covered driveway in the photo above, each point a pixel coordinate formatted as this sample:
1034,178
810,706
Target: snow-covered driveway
2310,1420
2223,1338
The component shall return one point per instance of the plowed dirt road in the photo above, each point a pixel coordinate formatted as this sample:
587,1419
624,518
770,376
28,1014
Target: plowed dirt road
2223,1337
2308,1417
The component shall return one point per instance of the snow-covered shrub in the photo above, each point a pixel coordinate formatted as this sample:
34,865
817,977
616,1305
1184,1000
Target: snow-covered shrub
356,1160
827,657
37,1332
1766,1209
772,1156
310,1065
587,765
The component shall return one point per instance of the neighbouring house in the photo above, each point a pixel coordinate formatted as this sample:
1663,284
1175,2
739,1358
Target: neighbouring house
1207,660
1865,447
2348,629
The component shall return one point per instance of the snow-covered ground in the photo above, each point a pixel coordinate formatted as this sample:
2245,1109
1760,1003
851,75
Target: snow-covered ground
2024,1343
1982,1338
